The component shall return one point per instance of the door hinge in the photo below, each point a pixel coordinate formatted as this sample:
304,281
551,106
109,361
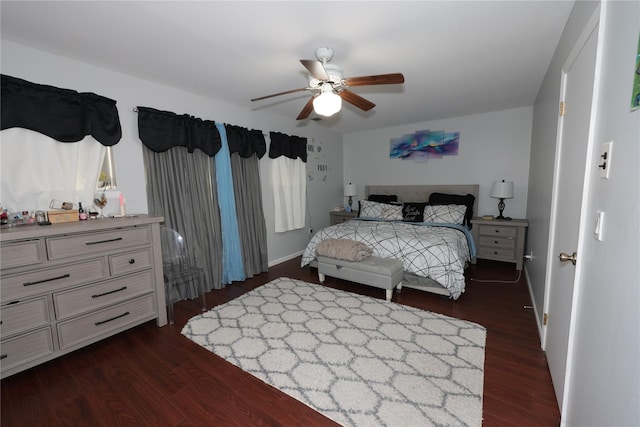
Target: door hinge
562,108
545,319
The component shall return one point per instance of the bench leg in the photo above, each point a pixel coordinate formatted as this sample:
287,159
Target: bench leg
399,287
321,277
389,294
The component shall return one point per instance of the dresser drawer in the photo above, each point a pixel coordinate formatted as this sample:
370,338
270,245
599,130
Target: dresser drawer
25,348
497,242
130,262
34,282
17,254
103,322
99,295
83,244
496,230
23,316
497,254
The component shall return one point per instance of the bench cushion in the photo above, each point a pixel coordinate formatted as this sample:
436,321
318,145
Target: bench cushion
382,273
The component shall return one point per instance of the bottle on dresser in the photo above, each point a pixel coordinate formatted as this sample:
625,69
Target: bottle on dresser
82,215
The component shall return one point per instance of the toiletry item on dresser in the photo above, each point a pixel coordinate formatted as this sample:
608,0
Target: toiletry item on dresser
82,215
123,210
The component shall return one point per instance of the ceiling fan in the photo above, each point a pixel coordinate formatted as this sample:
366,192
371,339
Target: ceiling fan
331,87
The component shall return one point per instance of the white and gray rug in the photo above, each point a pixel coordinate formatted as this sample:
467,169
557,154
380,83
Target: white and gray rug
358,360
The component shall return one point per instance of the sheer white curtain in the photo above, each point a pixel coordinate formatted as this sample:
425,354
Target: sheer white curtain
35,169
289,180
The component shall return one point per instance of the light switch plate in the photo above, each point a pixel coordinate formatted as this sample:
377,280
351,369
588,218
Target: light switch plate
605,160
599,225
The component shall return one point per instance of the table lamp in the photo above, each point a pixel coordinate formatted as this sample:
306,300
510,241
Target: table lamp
502,190
350,191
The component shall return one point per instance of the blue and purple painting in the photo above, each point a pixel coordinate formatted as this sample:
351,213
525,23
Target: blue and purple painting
424,145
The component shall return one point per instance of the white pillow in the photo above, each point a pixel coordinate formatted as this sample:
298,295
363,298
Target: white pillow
382,211
444,214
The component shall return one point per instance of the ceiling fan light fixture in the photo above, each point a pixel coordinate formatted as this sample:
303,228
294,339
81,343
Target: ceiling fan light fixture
328,102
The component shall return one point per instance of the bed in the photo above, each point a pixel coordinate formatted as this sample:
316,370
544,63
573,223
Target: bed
434,253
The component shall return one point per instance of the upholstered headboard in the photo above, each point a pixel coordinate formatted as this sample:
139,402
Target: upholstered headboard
421,193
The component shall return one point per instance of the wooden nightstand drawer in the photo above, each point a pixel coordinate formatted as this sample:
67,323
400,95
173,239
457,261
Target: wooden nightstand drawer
496,230
497,254
497,242
336,217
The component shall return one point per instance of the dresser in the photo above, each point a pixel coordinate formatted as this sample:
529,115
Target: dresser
500,240
336,217
64,286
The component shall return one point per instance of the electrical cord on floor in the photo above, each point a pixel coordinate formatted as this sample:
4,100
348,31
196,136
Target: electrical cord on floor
498,281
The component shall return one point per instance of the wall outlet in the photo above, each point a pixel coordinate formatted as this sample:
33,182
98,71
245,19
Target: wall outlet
605,160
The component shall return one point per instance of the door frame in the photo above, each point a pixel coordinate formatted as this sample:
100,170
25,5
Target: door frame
584,229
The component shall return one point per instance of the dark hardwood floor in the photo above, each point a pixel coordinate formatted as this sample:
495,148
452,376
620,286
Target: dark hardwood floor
152,376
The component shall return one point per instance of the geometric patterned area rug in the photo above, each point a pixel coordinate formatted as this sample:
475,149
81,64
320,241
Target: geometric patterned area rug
358,360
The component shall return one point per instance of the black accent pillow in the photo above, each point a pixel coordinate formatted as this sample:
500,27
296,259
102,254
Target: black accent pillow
455,199
383,198
413,211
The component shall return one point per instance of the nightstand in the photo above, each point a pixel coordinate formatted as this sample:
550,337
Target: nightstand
500,240
336,217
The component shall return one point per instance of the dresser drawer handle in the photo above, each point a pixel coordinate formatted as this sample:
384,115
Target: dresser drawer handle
132,261
496,241
104,241
3,356
64,276
126,313
110,292
497,231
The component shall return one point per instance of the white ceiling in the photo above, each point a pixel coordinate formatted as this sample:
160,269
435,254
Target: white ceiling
458,57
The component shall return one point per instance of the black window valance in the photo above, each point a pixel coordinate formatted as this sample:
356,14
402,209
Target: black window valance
245,142
289,146
162,130
62,114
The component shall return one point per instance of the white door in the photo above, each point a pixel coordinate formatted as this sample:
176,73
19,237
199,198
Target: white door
577,83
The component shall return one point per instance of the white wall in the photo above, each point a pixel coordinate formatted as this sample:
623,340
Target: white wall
604,377
45,68
542,160
493,146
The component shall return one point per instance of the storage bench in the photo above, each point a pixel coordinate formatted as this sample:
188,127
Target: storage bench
384,273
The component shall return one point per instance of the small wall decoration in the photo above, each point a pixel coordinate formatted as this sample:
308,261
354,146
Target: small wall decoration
635,92
424,145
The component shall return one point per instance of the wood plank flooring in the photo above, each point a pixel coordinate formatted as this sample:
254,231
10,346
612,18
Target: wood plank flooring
150,376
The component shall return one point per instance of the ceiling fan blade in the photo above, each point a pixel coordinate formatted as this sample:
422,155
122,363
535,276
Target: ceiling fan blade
315,68
281,93
357,100
381,79
308,108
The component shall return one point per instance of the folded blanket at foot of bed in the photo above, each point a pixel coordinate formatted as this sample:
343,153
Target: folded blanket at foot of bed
345,249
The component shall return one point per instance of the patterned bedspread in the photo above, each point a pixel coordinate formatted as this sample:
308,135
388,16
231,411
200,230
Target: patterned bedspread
437,251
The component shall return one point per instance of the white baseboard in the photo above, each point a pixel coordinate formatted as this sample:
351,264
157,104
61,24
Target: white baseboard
284,259
533,302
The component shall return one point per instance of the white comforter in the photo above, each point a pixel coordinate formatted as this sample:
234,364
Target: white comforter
435,251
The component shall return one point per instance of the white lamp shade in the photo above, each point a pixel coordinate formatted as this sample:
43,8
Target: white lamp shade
350,190
502,190
327,103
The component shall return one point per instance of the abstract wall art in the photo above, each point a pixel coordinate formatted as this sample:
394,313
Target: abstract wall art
424,145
